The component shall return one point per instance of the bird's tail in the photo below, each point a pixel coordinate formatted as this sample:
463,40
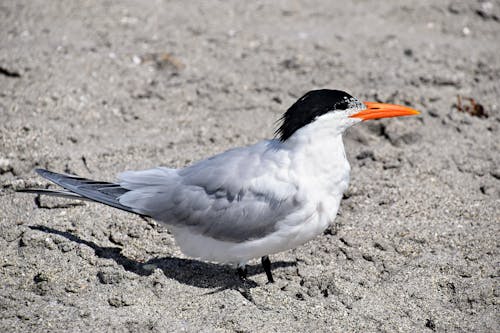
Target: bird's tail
83,189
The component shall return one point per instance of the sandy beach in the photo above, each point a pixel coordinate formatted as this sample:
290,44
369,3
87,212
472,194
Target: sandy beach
97,87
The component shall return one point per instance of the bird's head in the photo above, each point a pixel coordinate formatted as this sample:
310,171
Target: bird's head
334,110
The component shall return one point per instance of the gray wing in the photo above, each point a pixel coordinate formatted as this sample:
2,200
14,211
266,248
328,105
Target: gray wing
83,189
234,196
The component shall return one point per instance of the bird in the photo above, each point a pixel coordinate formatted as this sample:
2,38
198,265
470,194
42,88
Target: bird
247,202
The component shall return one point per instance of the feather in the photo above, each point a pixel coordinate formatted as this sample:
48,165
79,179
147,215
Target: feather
78,188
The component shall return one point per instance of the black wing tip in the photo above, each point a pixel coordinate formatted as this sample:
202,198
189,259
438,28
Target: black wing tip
77,185
43,172
51,175
26,190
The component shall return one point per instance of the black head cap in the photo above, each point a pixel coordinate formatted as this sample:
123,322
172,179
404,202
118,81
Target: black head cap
309,107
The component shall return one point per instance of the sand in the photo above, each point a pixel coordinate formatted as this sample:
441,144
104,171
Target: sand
98,87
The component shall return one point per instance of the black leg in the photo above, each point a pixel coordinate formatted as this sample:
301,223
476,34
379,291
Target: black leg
242,272
266,263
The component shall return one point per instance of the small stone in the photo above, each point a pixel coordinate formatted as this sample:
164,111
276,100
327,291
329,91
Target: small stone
31,238
115,301
66,246
291,63
487,189
454,8
300,296
41,277
5,165
18,184
405,138
408,52
393,164
109,277
486,11
74,287
118,238
312,292
366,154
136,60
42,288
49,243
495,173
24,315
84,313
446,80
433,113
429,323
42,284
367,257
135,232
120,301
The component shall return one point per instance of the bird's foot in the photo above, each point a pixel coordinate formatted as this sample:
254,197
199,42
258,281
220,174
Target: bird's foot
266,263
242,272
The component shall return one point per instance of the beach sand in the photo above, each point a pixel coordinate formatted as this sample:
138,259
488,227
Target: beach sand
97,87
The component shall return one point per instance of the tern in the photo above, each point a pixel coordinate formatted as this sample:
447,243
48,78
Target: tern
247,202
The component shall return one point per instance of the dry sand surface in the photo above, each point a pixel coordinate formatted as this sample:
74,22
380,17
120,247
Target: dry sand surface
97,87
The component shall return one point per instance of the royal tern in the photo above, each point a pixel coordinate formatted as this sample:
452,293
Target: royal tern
247,202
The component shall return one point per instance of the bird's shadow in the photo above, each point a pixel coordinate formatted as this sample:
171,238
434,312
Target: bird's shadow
186,271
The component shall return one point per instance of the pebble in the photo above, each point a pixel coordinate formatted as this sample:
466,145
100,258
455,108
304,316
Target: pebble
120,301
496,173
5,165
109,277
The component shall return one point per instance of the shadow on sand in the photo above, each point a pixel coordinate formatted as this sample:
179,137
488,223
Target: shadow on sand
187,271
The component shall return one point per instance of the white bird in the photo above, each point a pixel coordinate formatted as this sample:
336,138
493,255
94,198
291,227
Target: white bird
247,202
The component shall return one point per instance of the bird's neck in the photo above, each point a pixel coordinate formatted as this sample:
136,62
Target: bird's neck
319,159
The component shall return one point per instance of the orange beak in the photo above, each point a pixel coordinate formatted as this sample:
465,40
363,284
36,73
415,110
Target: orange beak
376,110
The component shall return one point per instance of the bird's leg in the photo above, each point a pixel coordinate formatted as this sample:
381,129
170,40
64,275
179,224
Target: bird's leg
266,263
242,271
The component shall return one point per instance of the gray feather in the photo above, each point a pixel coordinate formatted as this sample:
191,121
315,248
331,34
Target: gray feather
82,188
226,197
54,193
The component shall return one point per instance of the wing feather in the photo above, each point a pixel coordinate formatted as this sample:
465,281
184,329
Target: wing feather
234,196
